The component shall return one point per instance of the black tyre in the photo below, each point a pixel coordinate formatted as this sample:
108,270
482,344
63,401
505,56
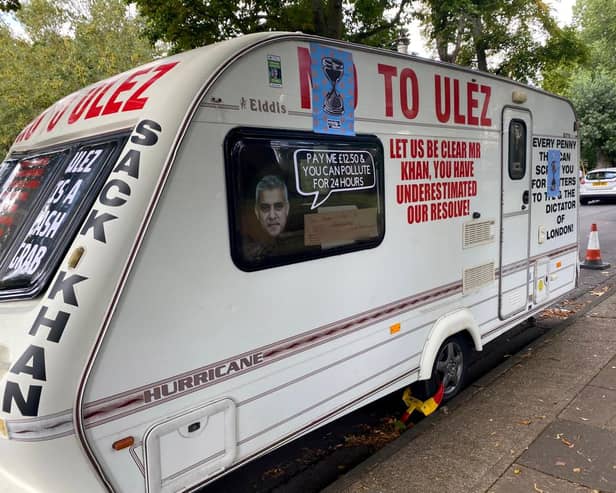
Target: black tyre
450,368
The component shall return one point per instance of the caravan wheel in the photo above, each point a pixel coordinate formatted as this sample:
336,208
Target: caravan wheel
450,367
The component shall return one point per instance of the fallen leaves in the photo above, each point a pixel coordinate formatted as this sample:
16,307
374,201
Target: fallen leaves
567,308
275,472
567,442
600,292
573,305
564,440
560,313
374,437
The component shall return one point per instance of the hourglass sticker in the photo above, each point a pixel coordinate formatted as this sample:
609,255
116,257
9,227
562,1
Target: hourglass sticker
333,69
333,90
553,178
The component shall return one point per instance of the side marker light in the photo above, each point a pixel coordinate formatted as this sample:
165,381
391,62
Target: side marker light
4,432
75,257
123,443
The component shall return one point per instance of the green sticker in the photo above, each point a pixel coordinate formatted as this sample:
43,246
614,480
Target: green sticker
274,70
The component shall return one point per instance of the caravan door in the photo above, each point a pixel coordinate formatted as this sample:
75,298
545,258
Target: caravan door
515,212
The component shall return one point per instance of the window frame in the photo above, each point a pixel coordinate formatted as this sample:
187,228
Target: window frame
233,194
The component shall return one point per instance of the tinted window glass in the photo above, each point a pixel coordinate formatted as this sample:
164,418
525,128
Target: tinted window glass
296,197
43,201
517,149
601,175
22,183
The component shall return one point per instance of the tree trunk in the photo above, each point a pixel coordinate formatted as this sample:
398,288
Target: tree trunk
602,159
318,17
442,47
480,45
327,18
334,19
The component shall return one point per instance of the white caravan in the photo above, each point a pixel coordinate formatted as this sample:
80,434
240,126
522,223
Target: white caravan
217,252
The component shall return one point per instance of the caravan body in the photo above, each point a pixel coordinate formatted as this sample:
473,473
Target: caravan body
215,253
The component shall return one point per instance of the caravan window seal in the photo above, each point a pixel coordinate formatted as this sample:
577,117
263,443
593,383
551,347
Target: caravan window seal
50,222
278,215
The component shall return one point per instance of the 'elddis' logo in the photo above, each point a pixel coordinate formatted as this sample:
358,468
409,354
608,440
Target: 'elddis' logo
262,105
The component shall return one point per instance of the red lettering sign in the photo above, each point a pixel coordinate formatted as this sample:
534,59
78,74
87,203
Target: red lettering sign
388,72
443,109
444,105
303,59
407,75
113,106
60,112
485,121
82,105
95,108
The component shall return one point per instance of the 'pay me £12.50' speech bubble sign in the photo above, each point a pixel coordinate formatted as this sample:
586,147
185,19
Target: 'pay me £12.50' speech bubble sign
319,173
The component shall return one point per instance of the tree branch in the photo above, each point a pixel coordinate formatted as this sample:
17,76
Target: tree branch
383,26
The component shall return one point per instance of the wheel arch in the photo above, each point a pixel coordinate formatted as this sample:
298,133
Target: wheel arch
459,322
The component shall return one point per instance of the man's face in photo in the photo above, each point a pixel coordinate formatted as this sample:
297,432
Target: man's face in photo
272,210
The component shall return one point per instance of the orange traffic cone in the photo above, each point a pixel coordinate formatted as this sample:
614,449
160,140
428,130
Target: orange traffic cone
593,252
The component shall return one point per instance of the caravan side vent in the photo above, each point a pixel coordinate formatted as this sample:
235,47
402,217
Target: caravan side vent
477,277
478,233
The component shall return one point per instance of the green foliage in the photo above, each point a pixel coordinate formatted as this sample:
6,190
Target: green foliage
594,97
107,41
9,5
64,46
590,81
562,57
519,37
184,25
597,22
366,21
187,25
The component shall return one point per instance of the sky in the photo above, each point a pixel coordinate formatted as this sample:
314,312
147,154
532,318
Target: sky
562,10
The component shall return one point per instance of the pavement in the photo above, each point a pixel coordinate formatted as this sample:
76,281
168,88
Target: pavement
542,422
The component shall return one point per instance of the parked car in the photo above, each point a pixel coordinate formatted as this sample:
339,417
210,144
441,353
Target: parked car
598,184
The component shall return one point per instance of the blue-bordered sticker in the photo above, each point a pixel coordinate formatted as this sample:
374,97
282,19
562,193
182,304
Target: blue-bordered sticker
333,90
553,178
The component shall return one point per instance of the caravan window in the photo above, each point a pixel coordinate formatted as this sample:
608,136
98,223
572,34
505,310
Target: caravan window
22,182
300,196
43,199
517,149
